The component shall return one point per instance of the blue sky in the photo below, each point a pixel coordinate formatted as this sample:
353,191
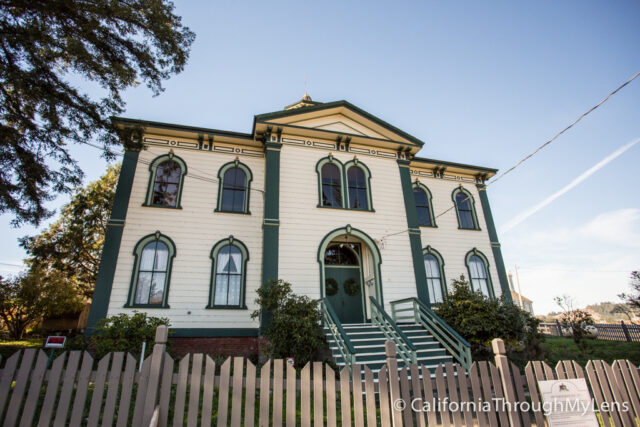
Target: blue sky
482,83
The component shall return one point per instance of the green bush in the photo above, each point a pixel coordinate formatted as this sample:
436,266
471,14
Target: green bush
294,329
126,333
480,319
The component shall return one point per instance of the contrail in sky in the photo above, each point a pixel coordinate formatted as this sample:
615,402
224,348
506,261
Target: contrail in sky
586,174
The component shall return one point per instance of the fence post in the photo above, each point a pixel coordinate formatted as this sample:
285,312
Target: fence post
394,382
151,398
626,331
559,329
502,363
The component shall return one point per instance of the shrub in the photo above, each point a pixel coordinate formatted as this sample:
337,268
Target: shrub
126,333
480,319
294,329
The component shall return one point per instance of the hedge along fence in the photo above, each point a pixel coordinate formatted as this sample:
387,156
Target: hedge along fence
197,392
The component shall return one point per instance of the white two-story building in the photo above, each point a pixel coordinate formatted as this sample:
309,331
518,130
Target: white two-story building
322,195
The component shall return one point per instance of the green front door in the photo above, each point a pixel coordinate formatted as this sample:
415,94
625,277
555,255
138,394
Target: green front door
343,282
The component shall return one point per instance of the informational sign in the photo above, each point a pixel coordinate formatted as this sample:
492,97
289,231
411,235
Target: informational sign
567,403
291,361
55,341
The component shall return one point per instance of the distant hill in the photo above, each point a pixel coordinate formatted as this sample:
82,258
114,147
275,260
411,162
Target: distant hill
601,312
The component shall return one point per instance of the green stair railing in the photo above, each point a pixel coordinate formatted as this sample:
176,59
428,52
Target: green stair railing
331,322
380,318
412,309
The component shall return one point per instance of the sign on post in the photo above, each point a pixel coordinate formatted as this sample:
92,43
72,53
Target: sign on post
54,341
568,403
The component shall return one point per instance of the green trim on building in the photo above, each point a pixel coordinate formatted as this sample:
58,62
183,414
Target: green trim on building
454,193
137,253
176,127
429,203
113,237
415,239
487,267
271,223
247,190
327,105
443,279
373,248
367,173
243,280
213,332
495,244
152,176
323,161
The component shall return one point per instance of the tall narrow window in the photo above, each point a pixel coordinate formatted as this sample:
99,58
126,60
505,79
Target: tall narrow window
331,185
422,198
478,273
229,258
234,179
465,210
357,188
165,184
233,191
434,267
152,270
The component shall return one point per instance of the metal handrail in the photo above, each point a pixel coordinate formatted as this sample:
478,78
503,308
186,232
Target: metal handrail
451,340
345,347
380,318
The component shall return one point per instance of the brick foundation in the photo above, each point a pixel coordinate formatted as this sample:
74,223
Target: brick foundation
223,346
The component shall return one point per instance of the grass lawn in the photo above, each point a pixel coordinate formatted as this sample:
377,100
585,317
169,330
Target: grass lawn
559,348
7,348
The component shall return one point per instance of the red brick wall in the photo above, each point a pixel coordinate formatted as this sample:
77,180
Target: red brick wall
224,346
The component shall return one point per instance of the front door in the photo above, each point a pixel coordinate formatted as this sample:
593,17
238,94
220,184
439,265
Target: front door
343,281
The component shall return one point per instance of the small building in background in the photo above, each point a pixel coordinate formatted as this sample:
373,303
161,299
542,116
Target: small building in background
525,303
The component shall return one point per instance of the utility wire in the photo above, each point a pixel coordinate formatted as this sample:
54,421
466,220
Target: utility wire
499,177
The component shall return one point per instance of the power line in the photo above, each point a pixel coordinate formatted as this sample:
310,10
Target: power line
499,177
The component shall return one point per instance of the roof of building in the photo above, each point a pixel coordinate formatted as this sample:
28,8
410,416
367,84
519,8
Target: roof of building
302,107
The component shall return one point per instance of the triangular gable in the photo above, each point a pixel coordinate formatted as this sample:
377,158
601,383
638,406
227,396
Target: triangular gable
338,123
339,117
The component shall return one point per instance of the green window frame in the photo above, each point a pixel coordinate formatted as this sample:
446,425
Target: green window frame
153,168
247,187
472,206
355,163
138,250
218,250
485,262
319,166
429,251
429,206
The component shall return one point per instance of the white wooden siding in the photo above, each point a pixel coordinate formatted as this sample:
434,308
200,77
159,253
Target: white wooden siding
303,224
194,229
452,242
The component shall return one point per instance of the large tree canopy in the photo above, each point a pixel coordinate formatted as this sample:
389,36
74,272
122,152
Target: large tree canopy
71,246
44,45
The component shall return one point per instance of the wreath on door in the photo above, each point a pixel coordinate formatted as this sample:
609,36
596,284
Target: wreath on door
351,287
330,287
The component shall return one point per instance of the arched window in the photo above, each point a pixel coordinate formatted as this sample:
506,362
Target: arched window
424,209
165,182
228,274
152,271
465,210
341,254
234,184
330,190
358,185
479,277
331,185
434,267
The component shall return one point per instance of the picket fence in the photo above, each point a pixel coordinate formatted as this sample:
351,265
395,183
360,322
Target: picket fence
196,392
